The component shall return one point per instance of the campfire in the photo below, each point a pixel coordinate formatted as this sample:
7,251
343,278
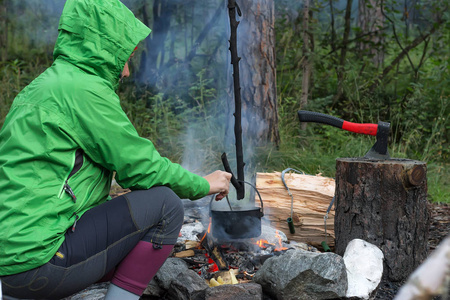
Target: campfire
225,261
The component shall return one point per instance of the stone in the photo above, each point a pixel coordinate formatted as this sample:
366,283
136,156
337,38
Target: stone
190,231
96,291
299,274
187,286
153,290
364,263
272,235
169,271
243,291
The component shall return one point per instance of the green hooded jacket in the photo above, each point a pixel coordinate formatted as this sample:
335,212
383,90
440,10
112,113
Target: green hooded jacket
66,133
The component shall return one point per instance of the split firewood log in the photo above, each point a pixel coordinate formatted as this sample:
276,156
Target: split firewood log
312,195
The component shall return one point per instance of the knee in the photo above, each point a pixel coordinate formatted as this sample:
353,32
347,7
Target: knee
172,204
149,207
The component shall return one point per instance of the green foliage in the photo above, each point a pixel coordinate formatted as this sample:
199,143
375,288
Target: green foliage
15,75
184,110
413,96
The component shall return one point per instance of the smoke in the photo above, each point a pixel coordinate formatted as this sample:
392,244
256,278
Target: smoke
192,41
32,24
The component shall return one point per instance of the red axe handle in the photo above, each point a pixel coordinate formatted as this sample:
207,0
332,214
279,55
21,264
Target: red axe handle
364,128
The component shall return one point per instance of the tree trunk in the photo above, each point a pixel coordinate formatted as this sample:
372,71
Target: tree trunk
3,30
306,66
384,203
256,47
154,55
343,54
370,20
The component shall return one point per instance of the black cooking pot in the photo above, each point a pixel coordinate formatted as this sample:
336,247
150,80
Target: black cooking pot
237,223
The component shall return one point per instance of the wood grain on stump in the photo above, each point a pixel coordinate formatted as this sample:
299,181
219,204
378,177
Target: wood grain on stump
384,203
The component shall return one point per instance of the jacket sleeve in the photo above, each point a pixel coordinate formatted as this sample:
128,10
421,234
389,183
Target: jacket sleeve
110,139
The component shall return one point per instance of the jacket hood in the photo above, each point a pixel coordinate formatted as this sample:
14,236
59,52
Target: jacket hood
98,36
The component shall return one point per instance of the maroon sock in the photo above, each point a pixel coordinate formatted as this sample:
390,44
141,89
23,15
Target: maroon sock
140,265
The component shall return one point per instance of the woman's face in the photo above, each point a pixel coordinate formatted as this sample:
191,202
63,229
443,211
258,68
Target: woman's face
126,70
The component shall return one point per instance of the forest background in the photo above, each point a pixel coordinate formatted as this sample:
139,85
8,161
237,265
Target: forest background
361,60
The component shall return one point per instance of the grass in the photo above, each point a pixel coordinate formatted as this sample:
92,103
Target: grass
438,179
195,135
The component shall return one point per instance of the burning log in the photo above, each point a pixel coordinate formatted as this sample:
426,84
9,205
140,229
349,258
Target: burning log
189,253
312,196
224,277
214,251
192,244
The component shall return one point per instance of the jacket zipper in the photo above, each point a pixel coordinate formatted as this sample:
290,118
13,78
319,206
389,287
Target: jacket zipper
69,191
75,223
76,167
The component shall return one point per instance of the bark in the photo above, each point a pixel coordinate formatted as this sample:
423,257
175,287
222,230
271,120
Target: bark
233,11
154,54
343,54
3,30
370,20
384,203
256,47
306,66
333,30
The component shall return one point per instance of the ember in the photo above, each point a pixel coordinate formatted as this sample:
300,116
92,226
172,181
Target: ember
214,260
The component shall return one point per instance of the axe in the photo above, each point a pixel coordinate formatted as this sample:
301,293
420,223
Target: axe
379,150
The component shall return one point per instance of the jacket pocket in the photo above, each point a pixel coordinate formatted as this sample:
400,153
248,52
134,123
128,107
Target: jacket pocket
78,163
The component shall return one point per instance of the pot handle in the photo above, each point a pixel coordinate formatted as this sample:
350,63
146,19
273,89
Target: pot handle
259,195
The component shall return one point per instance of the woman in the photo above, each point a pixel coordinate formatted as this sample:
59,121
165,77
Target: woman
62,140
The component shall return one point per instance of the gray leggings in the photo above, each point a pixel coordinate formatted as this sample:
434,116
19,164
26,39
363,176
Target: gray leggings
103,236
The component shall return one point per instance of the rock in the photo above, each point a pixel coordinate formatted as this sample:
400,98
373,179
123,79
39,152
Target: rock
190,231
94,292
303,246
299,274
153,290
187,286
243,291
272,235
364,263
168,272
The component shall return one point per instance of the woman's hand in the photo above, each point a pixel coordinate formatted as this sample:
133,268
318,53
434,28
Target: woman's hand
219,183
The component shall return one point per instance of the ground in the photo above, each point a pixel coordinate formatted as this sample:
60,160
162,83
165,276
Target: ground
439,229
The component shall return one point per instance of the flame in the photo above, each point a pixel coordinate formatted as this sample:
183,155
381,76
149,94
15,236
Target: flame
209,226
249,274
261,243
208,231
280,243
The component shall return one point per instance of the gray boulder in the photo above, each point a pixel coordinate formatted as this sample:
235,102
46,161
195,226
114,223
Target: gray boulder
299,274
168,272
243,291
187,286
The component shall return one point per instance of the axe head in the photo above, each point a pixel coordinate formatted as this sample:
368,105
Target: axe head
379,150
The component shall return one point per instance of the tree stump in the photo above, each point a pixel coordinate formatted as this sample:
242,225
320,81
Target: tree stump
384,203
